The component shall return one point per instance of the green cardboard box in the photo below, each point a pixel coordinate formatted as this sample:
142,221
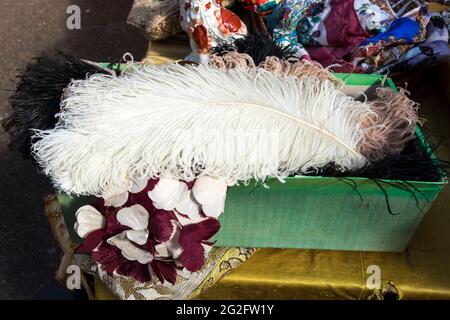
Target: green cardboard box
317,212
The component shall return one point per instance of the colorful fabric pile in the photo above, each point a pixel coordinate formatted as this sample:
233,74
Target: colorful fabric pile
361,36
358,36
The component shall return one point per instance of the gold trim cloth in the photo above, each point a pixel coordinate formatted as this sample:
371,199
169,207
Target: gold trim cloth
189,285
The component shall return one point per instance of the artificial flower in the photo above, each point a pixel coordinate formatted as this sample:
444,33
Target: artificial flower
190,208
161,227
135,217
88,220
192,238
128,243
168,193
116,200
139,184
210,193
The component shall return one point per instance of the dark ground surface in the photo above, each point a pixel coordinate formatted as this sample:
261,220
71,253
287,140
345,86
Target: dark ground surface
28,253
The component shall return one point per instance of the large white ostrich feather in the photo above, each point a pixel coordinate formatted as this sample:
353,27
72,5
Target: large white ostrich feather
185,121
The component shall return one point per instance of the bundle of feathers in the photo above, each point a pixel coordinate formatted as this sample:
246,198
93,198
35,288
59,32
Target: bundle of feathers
183,121
37,98
236,118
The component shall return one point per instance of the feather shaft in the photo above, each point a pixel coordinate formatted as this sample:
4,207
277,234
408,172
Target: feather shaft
284,114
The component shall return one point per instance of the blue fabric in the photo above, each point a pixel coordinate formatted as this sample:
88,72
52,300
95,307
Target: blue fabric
431,52
400,29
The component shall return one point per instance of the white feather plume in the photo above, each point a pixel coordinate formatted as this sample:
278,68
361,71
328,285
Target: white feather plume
185,121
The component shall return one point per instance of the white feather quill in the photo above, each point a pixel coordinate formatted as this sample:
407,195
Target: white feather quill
185,121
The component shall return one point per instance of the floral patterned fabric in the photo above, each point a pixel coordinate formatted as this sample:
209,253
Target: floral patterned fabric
434,50
219,263
362,36
390,46
322,23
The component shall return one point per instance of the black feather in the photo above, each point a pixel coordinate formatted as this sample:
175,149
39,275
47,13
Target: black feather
413,164
256,45
38,95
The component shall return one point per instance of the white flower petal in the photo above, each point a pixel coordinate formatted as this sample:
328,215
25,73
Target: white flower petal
170,248
167,193
214,210
190,207
185,220
88,220
129,250
139,185
207,248
182,191
209,190
116,200
161,250
163,189
138,236
135,217
167,205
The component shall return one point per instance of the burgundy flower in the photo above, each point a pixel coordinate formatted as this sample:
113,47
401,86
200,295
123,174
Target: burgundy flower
124,244
192,238
92,241
140,272
108,256
164,270
158,227
121,199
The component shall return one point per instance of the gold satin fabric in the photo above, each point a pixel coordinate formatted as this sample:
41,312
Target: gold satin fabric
421,272
101,291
